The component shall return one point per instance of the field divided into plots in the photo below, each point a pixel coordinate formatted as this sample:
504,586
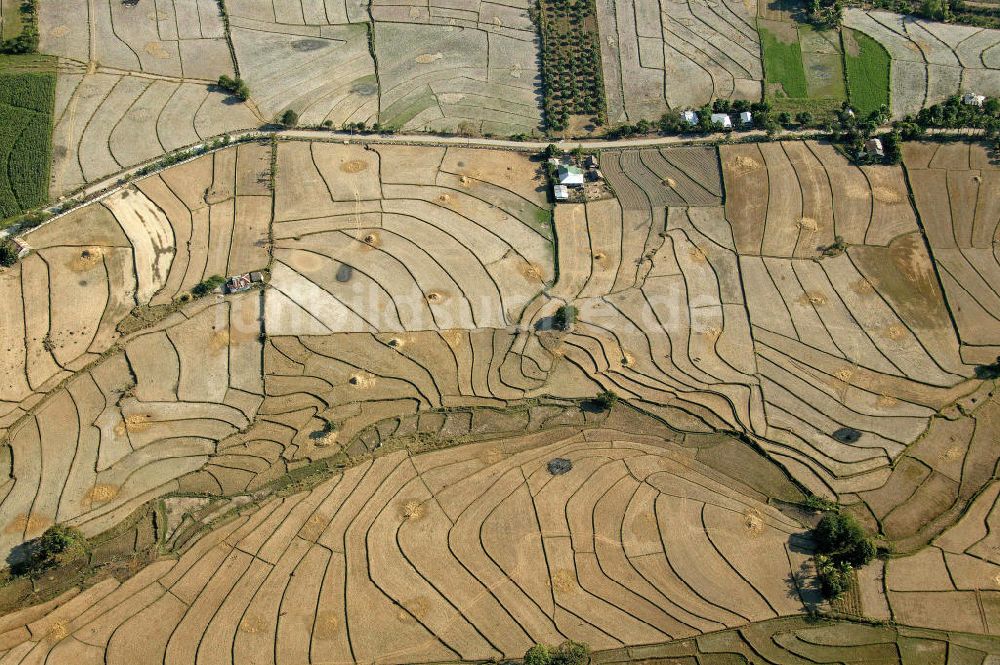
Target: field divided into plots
466,554
134,83
931,61
955,191
670,55
398,378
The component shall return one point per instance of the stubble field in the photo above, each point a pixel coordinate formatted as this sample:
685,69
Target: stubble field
385,408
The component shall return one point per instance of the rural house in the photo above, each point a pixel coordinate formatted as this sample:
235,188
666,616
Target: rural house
569,175
722,120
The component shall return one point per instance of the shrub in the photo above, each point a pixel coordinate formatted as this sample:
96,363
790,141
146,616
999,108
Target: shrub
204,288
564,317
57,546
236,87
8,253
834,578
605,400
567,653
840,538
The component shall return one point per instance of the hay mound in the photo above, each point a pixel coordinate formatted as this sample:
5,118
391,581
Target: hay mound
531,271
808,224
753,521
812,298
428,58
102,493
895,331
89,257
698,255
743,164
670,182
58,631
137,422
886,195
885,400
412,510
28,524
564,581
845,374
354,166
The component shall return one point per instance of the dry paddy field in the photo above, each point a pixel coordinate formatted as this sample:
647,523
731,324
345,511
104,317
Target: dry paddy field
134,83
660,56
858,340
931,61
469,67
469,553
955,187
399,376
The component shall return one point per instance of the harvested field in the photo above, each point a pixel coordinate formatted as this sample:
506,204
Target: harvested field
480,78
636,544
134,83
953,584
644,179
860,339
126,428
380,416
323,73
676,54
955,187
931,61
426,250
177,38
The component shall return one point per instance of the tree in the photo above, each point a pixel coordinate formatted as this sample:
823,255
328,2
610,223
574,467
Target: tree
236,87
58,545
804,118
207,286
605,400
564,318
840,538
289,118
8,253
567,653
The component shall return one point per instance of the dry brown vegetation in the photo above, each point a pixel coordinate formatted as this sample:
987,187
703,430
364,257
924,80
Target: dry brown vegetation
383,410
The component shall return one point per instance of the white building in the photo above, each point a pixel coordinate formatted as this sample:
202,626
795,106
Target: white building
746,118
874,146
561,192
722,120
690,117
972,99
570,175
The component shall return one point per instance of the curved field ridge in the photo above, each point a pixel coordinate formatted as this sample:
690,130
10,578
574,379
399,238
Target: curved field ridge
931,61
861,339
469,553
419,248
955,187
668,55
134,83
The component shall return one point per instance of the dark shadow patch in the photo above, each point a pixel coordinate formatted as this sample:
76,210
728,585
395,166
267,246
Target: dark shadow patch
559,466
309,44
847,435
344,273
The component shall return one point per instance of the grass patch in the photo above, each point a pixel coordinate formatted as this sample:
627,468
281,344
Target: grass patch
13,19
27,99
867,72
783,70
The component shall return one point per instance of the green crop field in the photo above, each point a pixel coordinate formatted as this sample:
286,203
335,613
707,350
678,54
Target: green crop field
783,69
27,96
867,72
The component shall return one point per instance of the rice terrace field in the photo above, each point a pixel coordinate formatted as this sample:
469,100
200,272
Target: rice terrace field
314,350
